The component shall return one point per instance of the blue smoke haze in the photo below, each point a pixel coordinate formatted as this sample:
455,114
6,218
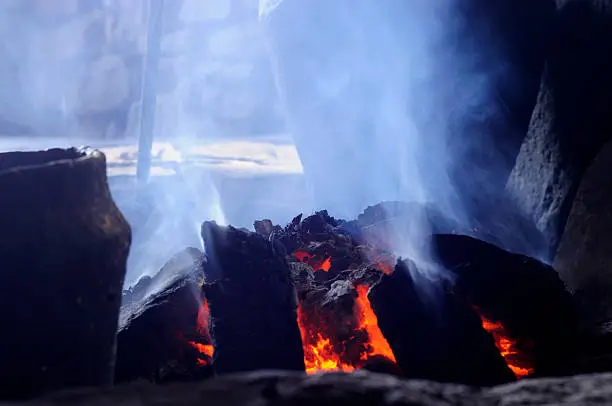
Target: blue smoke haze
377,96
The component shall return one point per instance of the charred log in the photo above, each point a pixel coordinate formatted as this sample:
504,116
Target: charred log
523,294
252,302
162,336
336,332
187,262
433,335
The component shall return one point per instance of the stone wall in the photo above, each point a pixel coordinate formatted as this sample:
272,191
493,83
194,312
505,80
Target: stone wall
74,67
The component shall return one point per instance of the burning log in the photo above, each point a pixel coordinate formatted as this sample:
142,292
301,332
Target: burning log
334,263
522,300
433,335
332,273
163,329
252,302
63,251
322,295
339,329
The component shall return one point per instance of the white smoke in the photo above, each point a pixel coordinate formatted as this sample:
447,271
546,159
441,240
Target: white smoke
378,96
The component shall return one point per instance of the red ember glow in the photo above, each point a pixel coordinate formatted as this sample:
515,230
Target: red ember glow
315,262
319,353
303,256
385,267
506,347
326,265
206,350
378,344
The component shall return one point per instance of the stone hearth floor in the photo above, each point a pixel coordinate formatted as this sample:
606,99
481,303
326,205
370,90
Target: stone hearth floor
338,389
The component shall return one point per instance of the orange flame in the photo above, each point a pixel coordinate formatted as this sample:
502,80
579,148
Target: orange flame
505,346
326,265
202,318
303,256
319,356
205,350
313,261
378,344
385,267
319,352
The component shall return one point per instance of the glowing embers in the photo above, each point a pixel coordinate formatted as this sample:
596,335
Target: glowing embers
315,262
377,344
342,340
339,331
205,351
507,347
320,354
385,266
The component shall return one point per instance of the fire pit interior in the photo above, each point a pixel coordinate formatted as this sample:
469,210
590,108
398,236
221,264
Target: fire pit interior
319,295
454,241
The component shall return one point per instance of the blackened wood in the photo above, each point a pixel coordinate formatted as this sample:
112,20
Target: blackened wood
158,331
252,303
63,251
524,294
434,335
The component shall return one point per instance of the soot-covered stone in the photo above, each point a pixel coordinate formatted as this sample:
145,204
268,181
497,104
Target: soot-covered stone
584,258
433,334
252,302
572,119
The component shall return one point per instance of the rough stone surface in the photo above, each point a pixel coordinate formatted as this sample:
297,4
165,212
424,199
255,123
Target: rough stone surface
361,388
572,119
584,256
63,252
